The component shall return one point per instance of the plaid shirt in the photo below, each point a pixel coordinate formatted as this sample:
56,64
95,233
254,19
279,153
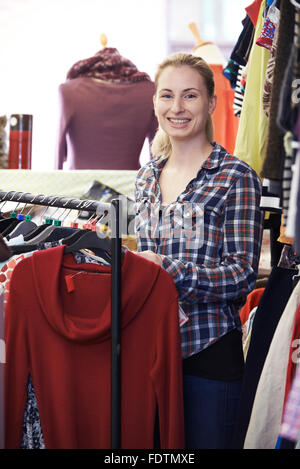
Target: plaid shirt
209,241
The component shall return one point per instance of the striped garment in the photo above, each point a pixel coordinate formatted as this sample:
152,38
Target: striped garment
209,241
238,93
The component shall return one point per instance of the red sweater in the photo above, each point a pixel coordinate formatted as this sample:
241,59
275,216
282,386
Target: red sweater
58,331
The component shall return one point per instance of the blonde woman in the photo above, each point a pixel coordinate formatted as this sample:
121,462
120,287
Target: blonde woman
198,217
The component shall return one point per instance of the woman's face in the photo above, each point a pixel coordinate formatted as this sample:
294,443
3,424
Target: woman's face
181,102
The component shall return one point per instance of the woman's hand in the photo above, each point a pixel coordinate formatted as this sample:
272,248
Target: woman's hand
150,256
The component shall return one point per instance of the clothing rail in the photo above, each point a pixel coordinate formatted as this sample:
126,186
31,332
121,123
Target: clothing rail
54,201
114,209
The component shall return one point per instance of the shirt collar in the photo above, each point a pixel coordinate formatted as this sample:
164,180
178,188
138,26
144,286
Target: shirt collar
213,161
215,157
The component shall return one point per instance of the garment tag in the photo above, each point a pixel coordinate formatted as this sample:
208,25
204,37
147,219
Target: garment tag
182,316
70,283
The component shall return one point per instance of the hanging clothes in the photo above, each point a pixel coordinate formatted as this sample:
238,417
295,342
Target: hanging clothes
224,120
266,415
2,368
269,311
273,159
59,319
252,131
290,427
252,300
253,11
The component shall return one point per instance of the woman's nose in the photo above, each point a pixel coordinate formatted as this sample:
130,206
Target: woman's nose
177,105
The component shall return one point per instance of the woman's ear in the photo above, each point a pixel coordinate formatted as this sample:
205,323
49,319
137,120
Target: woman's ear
212,104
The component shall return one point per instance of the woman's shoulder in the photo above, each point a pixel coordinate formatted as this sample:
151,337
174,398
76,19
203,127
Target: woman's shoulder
234,165
148,169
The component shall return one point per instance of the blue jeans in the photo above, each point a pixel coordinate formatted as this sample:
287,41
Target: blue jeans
210,409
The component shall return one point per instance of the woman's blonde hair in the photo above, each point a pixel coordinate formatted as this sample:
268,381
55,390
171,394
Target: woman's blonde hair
161,144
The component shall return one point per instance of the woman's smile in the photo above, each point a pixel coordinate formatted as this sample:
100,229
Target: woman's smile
178,123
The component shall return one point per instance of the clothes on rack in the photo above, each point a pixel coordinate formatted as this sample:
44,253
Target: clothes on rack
225,122
56,311
32,436
272,163
266,415
252,130
239,92
269,311
59,301
290,426
2,368
252,300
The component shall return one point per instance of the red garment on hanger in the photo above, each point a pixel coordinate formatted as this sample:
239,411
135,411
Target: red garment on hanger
58,331
252,300
224,120
253,11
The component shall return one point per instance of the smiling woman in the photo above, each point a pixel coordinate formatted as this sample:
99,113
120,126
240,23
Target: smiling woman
184,116
212,263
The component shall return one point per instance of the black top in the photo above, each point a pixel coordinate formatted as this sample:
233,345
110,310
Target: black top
223,360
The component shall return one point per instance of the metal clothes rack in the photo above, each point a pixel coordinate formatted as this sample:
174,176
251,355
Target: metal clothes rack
114,209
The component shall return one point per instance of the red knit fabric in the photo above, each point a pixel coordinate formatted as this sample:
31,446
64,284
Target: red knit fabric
252,300
58,331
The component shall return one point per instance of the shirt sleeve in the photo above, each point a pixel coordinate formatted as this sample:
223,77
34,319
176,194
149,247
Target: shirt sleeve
236,274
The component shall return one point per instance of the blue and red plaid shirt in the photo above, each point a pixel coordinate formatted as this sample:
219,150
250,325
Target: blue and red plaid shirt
209,241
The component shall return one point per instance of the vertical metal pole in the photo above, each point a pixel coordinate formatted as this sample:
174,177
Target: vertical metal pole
116,326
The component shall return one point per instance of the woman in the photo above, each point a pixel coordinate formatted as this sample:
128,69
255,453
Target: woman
198,217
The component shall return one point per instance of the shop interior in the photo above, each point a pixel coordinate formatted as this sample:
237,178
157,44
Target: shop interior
68,150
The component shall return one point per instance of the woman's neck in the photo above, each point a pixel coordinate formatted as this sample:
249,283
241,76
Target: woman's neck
189,154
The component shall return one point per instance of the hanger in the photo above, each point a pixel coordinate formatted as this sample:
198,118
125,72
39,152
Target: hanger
91,240
5,251
10,222
296,277
40,228
1,216
199,42
79,231
53,231
23,228
16,219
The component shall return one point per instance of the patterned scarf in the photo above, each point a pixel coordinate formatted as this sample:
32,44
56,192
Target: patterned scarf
107,65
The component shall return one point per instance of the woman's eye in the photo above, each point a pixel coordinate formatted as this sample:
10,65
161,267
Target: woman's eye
166,96
190,96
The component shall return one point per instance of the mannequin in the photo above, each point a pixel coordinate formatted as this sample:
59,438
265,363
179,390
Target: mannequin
106,113
224,120
207,49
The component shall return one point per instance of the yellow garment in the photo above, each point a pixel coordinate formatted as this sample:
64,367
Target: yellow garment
251,137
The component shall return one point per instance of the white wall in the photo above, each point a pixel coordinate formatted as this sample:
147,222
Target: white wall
41,39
